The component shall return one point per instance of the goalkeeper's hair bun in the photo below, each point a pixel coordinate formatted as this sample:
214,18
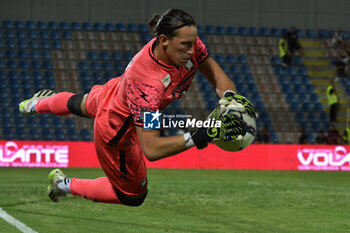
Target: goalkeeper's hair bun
168,22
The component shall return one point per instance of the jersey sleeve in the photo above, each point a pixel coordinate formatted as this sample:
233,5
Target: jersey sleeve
142,97
201,51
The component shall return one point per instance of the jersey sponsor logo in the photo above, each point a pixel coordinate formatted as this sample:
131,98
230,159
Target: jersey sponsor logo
182,87
166,80
189,65
143,95
151,120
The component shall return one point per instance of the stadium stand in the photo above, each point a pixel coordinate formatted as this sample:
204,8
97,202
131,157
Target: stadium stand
74,56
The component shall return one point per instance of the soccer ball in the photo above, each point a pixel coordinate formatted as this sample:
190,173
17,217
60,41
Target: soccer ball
248,138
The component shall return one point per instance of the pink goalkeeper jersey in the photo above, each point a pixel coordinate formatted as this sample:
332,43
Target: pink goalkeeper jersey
147,84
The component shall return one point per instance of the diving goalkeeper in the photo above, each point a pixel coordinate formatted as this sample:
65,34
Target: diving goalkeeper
158,74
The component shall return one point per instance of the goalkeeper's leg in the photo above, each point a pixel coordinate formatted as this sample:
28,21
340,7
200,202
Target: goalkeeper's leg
47,101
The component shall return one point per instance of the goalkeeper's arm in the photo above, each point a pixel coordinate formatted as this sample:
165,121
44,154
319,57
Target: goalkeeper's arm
155,147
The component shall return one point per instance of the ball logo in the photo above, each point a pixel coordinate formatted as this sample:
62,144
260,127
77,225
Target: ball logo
33,155
324,159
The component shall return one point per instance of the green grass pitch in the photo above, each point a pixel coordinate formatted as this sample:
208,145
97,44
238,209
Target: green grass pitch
187,201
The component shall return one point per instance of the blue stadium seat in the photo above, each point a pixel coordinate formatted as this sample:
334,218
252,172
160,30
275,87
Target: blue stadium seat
46,134
264,32
86,26
23,64
66,35
33,44
11,64
242,60
1,44
18,122
109,27
92,55
6,123
5,113
2,64
45,54
120,27
127,56
106,66
145,37
82,65
69,123
323,34
33,135
52,25
20,34
22,54
144,29
44,44
56,44
9,34
43,35
2,54
243,31
54,35
30,25
59,135
34,54
47,65
7,24
107,76
84,135
35,64
10,44
95,66
220,30
32,34
116,56
234,69
291,71
72,135
8,134
22,44
275,60
19,24
98,26
12,75
10,54
41,25
310,33
84,76
245,69
279,70
104,55
118,67
65,26
275,32
209,29
131,27
230,59
297,61
199,29
75,26
253,31
220,59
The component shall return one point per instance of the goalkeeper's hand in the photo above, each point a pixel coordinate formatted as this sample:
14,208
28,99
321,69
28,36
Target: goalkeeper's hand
232,128
233,103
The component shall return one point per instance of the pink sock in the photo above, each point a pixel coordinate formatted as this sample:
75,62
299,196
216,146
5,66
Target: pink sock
56,104
98,190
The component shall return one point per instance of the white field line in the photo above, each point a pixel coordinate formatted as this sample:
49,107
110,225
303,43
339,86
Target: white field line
20,226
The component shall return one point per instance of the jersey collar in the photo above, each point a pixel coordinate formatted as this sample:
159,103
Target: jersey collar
159,62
